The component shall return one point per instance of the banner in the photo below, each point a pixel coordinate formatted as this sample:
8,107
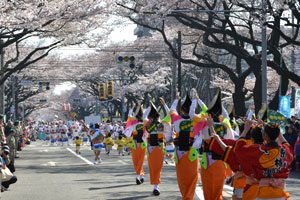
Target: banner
297,102
285,106
277,117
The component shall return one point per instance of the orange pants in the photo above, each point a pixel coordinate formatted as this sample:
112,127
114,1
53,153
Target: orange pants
138,157
213,180
187,176
250,192
155,164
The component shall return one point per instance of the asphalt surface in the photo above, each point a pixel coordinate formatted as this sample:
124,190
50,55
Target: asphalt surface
56,173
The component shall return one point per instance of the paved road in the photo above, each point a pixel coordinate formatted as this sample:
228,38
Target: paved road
47,173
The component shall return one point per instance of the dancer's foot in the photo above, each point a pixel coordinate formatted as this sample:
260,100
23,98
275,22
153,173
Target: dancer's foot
138,182
156,192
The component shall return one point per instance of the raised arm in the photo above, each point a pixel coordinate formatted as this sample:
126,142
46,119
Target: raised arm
164,105
203,106
146,113
224,112
174,105
192,113
130,112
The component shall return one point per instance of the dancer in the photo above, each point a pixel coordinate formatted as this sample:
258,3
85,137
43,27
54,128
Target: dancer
109,143
186,144
64,135
134,127
77,143
213,169
155,134
97,137
121,141
270,162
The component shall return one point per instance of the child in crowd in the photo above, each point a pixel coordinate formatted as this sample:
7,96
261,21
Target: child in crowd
129,145
120,142
109,143
77,143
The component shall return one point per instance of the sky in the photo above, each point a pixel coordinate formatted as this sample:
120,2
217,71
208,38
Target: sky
122,34
63,87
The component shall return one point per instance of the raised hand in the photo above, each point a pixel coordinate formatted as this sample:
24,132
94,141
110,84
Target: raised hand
178,95
133,104
162,101
248,125
195,94
210,121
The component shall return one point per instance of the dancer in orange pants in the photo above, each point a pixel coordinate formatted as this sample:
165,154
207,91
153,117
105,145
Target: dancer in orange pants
134,127
155,133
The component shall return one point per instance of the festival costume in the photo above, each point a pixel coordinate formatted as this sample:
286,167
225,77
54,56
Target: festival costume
186,141
97,137
155,133
109,142
129,144
213,169
135,128
270,164
77,143
121,143
53,134
239,178
47,134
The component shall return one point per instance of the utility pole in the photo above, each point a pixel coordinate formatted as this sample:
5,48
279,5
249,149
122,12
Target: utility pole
16,96
179,62
264,54
173,87
293,60
280,83
2,88
123,97
12,78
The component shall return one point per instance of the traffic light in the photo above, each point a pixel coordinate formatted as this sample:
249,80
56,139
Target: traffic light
40,86
132,62
47,86
110,89
127,61
102,91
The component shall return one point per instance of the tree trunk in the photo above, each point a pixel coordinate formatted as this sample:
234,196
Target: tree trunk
239,100
257,93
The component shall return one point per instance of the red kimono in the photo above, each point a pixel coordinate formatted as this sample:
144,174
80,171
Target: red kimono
267,163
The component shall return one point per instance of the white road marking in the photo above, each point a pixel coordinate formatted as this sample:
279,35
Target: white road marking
45,150
79,156
199,192
52,164
122,162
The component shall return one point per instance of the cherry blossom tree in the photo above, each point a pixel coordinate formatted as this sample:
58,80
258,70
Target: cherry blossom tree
222,28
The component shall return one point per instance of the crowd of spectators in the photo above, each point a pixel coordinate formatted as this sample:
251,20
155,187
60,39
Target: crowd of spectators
12,137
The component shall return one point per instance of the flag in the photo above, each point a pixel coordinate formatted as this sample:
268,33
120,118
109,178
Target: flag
277,117
285,106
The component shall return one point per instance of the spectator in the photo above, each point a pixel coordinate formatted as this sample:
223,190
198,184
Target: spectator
297,152
291,137
2,135
6,163
11,142
7,128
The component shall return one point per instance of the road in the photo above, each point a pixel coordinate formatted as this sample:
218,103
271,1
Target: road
51,172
